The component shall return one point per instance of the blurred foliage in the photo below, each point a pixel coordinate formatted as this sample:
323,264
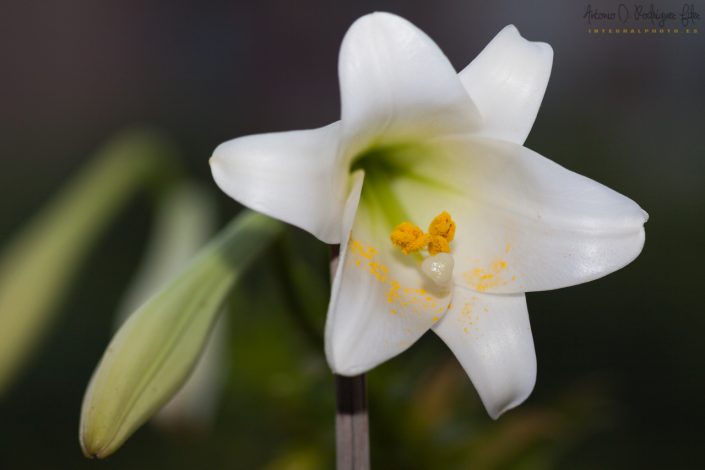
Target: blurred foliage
39,263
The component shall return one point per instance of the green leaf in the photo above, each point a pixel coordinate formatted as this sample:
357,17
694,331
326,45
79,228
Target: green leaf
153,353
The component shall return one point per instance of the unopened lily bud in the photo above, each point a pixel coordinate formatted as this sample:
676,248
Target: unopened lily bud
185,219
153,353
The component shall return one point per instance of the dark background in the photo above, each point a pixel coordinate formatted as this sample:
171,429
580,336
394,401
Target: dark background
621,377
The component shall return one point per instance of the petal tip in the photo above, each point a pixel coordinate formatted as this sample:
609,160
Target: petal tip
380,16
543,48
375,23
341,359
94,445
511,31
346,369
217,157
496,413
497,405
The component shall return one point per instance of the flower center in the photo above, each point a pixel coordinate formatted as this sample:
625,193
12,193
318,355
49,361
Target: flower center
411,239
384,166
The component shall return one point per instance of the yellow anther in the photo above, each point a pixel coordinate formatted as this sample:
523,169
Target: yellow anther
438,244
442,226
409,237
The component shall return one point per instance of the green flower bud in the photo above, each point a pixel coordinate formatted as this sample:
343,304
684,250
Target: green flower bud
154,352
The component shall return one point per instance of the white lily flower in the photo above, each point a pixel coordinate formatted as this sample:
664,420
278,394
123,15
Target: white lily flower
416,140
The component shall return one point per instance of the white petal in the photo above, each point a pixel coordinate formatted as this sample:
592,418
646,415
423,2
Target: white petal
381,303
524,223
395,82
491,337
292,176
507,82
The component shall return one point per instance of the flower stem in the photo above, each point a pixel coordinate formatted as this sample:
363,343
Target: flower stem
351,423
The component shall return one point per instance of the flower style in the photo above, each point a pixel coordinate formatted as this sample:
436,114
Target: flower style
418,143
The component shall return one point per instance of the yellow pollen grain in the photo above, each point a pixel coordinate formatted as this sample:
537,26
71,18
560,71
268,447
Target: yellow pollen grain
499,265
482,279
398,296
393,293
378,271
359,249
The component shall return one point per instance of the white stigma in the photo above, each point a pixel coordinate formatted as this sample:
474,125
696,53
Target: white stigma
438,268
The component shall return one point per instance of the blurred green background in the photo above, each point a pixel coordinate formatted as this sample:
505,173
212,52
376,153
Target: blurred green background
620,377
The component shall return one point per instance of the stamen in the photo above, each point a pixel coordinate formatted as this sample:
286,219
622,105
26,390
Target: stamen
443,226
438,244
408,237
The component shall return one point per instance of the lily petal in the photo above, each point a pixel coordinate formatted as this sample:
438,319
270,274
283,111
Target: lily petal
380,302
491,337
395,82
291,176
507,82
524,223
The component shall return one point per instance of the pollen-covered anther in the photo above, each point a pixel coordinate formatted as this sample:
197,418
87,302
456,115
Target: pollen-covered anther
409,237
442,226
438,244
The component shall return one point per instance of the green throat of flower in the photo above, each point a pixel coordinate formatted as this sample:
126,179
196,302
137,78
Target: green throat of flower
383,166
